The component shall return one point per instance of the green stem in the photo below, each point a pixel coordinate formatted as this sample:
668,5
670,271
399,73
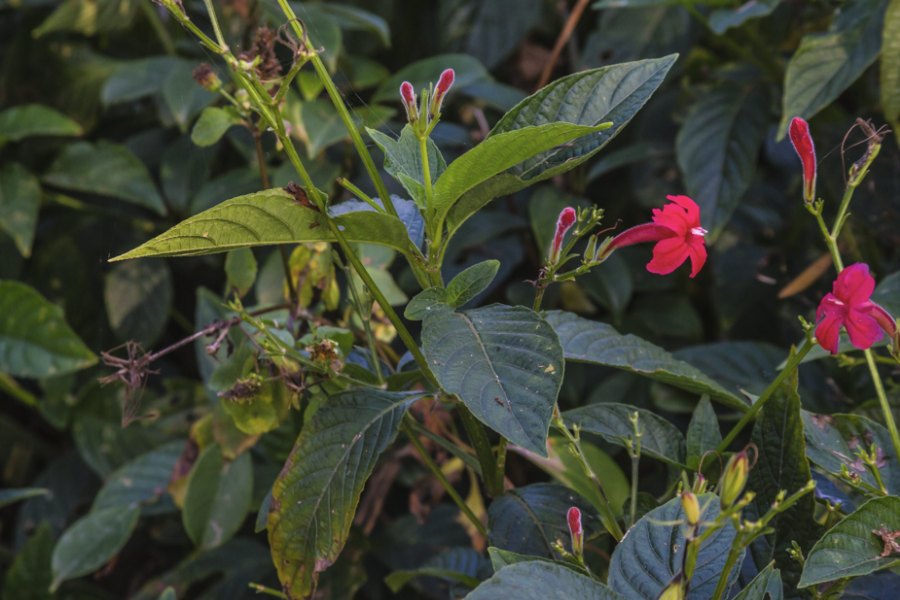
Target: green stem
635,461
365,316
286,82
751,414
215,23
359,194
733,554
159,28
414,438
11,387
882,399
261,589
491,470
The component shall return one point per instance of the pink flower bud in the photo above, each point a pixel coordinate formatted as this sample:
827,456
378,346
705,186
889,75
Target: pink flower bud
563,224
803,144
443,86
574,518
408,95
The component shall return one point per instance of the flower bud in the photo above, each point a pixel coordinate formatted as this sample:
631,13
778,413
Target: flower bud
207,78
734,479
408,95
563,224
443,86
691,507
576,531
803,144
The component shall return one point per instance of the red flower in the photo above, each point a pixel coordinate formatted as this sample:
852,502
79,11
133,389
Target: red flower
563,224
443,86
677,231
574,518
849,306
803,144
408,95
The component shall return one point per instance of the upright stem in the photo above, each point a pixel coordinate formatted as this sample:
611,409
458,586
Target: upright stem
491,468
215,23
882,399
365,317
161,32
635,461
730,562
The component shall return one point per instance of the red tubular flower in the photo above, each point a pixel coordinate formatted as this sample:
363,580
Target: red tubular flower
408,95
443,86
574,518
803,144
677,231
563,224
849,306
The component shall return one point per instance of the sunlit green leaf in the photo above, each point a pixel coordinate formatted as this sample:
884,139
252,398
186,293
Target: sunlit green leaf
28,120
20,199
403,160
212,125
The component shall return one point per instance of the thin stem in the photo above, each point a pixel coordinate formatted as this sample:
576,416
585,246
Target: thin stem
733,554
286,82
831,242
564,36
359,194
491,471
159,28
885,407
426,175
635,461
215,23
365,316
261,589
11,387
414,438
751,414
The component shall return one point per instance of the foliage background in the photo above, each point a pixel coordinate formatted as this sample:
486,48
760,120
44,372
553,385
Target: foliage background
122,168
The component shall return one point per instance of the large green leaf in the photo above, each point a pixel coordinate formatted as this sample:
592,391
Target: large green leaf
352,18
138,297
505,363
488,29
723,19
425,72
598,343
35,340
528,520
851,548
29,577
890,62
92,542
782,466
315,497
20,122
661,439
538,580
717,148
181,94
403,160
703,433
8,497
832,442
217,498
463,565
826,64
137,79
107,169
143,482
651,553
20,199
265,218
765,586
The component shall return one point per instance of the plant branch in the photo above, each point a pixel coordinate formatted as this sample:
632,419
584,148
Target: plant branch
491,469
564,36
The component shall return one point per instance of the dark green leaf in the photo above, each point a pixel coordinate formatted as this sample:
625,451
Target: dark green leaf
107,169
703,433
8,497
456,564
736,366
505,363
851,548
20,199
717,148
650,554
504,558
598,343
28,120
142,482
882,585
488,29
29,577
217,498
425,301
237,181
168,594
318,124
240,267
610,284
725,18
887,293
826,64
92,542
89,17
528,520
323,27
765,586
183,96
352,18
184,170
35,340
471,282
137,79
496,95
315,497
782,466
138,297
661,439
403,160
423,73
265,218
629,155
890,62
538,580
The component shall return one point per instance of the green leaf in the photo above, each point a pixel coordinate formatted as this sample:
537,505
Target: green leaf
20,199
427,300
212,125
610,284
722,19
241,268
184,170
8,497
718,145
217,498
352,18
851,548
505,363
265,218
598,343
890,62
403,160
138,297
826,64
20,122
425,72
168,594
89,17
318,124
142,482
35,340
782,466
765,586
504,558
651,553
315,497
538,580
107,169
181,94
471,282
882,585
488,29
456,564
92,542
137,79
887,293
832,442
629,155
703,433
527,520
29,577
661,440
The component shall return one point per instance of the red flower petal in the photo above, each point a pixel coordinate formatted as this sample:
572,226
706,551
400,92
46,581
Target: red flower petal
693,211
803,144
828,333
668,255
832,307
648,232
673,217
862,329
697,250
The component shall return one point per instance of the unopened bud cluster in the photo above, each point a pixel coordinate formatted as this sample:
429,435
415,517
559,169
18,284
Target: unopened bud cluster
423,115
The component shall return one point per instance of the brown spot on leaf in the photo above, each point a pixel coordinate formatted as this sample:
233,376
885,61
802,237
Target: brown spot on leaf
890,540
300,196
822,420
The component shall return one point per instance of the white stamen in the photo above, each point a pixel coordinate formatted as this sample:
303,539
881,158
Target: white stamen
699,231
